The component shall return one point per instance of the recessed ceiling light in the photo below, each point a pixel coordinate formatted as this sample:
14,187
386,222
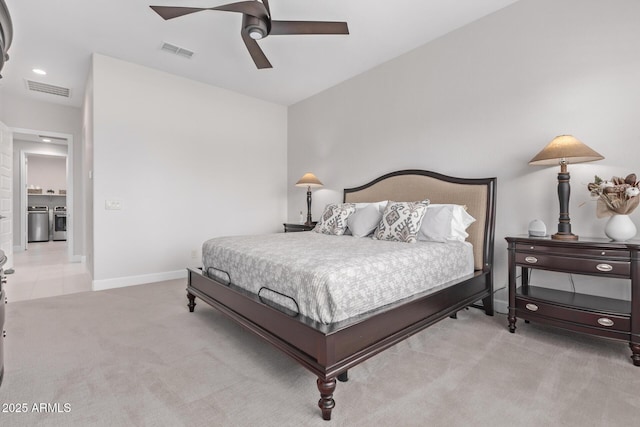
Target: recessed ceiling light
46,140
39,71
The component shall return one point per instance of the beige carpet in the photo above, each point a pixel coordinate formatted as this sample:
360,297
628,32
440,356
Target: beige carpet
136,357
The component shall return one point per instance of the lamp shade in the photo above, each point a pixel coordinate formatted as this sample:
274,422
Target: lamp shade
565,149
309,180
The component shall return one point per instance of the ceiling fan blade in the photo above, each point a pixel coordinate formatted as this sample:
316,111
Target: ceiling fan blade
256,53
279,28
169,12
251,8
266,5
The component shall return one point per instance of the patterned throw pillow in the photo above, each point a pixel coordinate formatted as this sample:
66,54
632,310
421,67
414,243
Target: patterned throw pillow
334,218
401,221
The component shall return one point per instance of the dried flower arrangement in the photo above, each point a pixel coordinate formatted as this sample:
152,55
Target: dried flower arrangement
617,196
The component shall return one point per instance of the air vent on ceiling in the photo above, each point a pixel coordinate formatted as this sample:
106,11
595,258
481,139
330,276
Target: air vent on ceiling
47,88
185,53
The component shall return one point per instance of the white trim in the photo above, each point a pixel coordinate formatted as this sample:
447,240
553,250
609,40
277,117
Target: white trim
44,132
121,282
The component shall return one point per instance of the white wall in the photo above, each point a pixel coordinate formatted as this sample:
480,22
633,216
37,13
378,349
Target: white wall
25,113
482,101
187,161
47,172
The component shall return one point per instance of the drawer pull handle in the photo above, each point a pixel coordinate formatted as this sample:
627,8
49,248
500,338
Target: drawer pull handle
604,267
533,307
604,321
531,259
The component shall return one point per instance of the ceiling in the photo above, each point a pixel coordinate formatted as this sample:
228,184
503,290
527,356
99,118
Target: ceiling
60,36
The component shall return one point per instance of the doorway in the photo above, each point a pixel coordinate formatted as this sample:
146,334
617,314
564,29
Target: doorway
46,196
47,268
40,146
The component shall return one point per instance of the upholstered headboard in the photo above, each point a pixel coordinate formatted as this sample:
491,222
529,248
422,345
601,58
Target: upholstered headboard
478,195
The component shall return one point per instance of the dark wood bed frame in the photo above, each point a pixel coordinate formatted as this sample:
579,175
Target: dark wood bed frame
329,351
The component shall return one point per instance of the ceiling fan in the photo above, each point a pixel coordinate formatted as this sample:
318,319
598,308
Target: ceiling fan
257,24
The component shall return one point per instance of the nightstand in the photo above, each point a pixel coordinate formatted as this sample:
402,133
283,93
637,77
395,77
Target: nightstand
604,317
288,228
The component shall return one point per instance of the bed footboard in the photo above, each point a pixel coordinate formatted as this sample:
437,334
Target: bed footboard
329,351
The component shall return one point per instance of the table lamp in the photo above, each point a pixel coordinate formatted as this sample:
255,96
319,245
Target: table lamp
564,149
308,180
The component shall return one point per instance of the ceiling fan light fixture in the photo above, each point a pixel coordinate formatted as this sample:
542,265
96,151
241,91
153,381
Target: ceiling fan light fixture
256,33
256,28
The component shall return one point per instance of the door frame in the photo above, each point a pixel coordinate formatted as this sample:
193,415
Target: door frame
6,137
23,187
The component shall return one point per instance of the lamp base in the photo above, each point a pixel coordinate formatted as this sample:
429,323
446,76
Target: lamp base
564,236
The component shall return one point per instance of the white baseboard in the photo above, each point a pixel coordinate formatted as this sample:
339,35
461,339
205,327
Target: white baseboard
79,258
121,282
501,301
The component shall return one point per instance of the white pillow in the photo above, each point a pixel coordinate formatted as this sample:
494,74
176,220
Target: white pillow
364,220
443,222
379,205
334,218
401,221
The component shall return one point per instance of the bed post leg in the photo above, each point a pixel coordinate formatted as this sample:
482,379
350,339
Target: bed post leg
635,353
487,303
343,377
326,402
192,301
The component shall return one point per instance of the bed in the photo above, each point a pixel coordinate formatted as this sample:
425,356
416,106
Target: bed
329,347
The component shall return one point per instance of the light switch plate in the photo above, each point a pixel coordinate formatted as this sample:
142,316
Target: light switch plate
113,205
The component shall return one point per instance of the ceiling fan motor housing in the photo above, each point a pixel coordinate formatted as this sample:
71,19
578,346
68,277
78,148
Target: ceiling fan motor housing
255,27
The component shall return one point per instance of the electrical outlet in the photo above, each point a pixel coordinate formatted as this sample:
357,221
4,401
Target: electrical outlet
194,253
113,205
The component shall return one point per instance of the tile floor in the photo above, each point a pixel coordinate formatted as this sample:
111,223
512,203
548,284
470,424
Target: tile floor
44,270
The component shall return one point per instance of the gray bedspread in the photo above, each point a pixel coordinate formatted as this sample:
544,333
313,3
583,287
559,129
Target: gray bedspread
333,278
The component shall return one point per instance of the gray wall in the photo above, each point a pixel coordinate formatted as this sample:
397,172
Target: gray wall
482,101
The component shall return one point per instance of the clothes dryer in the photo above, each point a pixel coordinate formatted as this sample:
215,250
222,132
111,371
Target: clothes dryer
60,223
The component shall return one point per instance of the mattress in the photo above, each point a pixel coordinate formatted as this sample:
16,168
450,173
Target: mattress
332,278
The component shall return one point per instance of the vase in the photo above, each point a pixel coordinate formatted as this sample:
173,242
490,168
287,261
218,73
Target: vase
620,228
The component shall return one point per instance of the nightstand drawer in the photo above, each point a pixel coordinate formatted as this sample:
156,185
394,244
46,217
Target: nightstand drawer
574,265
620,255
617,322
